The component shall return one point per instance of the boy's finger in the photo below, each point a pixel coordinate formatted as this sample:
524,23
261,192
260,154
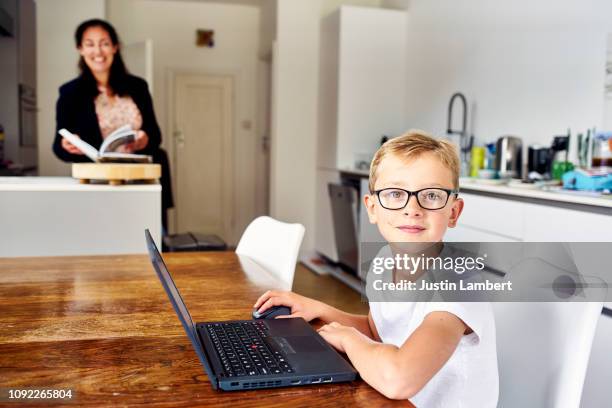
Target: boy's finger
268,304
261,299
269,294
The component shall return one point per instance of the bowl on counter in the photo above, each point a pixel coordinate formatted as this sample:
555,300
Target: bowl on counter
487,174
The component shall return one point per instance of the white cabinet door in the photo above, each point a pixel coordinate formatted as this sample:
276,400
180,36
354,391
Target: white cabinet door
371,79
362,77
468,234
496,219
550,224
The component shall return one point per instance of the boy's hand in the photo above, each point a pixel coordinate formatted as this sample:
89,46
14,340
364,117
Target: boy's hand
301,306
337,334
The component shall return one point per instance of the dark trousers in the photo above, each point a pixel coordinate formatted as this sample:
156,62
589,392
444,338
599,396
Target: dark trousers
161,157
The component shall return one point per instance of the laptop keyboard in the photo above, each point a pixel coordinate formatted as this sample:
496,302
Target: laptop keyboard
243,350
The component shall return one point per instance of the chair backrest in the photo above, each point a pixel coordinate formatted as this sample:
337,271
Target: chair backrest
543,351
274,245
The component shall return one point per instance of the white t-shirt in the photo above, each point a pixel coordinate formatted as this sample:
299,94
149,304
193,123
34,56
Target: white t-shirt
470,377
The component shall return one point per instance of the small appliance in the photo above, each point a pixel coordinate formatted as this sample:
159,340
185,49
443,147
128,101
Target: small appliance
508,159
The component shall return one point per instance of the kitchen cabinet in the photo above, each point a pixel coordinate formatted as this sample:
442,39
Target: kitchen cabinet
506,217
57,216
361,96
503,219
462,233
495,217
361,82
546,223
509,215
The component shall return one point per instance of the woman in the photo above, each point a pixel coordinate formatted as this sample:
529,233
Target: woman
105,97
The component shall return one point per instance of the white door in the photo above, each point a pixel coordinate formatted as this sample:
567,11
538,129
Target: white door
138,59
203,155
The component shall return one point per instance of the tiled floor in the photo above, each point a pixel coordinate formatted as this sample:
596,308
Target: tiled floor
328,289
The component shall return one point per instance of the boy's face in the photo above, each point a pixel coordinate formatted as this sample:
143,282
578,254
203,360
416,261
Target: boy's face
413,223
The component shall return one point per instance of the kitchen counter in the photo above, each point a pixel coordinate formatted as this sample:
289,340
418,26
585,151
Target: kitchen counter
554,194
58,216
66,184
599,202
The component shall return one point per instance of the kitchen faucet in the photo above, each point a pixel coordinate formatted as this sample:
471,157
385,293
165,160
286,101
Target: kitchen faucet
450,130
465,144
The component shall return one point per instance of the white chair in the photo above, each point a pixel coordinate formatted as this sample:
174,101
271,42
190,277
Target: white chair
274,245
543,351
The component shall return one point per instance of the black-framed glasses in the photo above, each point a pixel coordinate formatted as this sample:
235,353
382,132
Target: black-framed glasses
428,198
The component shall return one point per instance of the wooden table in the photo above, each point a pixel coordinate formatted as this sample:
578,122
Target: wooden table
104,327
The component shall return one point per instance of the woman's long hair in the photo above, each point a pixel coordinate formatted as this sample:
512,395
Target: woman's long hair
118,72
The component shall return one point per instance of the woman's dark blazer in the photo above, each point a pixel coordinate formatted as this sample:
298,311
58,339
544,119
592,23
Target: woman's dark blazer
76,111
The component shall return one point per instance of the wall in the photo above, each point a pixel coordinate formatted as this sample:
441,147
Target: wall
527,68
267,36
607,121
171,25
294,110
294,118
372,75
329,6
57,57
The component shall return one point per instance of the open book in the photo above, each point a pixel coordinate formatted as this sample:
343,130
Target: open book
107,152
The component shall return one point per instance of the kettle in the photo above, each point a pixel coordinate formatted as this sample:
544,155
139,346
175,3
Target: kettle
508,158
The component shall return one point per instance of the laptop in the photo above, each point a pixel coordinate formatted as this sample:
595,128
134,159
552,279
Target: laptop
252,354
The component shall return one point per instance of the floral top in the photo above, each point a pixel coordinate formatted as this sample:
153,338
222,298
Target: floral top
116,111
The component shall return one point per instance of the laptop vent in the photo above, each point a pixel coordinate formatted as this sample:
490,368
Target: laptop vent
261,384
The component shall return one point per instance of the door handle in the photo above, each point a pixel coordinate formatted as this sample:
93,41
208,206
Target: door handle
179,138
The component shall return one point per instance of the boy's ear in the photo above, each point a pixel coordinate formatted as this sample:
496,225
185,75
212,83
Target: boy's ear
456,209
368,201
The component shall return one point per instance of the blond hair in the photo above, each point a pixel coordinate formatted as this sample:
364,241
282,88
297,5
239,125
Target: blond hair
411,145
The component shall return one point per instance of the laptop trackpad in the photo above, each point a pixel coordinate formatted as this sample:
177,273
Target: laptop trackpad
299,344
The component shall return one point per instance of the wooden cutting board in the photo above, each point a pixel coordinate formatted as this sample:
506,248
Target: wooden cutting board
116,173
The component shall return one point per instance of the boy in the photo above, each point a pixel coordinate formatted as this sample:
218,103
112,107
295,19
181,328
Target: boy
435,354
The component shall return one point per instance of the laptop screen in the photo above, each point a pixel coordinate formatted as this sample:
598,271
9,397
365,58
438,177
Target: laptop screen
177,301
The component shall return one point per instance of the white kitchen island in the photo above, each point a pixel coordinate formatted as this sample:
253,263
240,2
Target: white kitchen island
58,216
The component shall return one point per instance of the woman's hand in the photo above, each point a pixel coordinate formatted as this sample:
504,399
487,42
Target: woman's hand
70,148
301,306
141,140
139,143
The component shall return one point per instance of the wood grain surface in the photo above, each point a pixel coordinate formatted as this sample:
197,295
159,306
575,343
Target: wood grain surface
104,327
116,171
